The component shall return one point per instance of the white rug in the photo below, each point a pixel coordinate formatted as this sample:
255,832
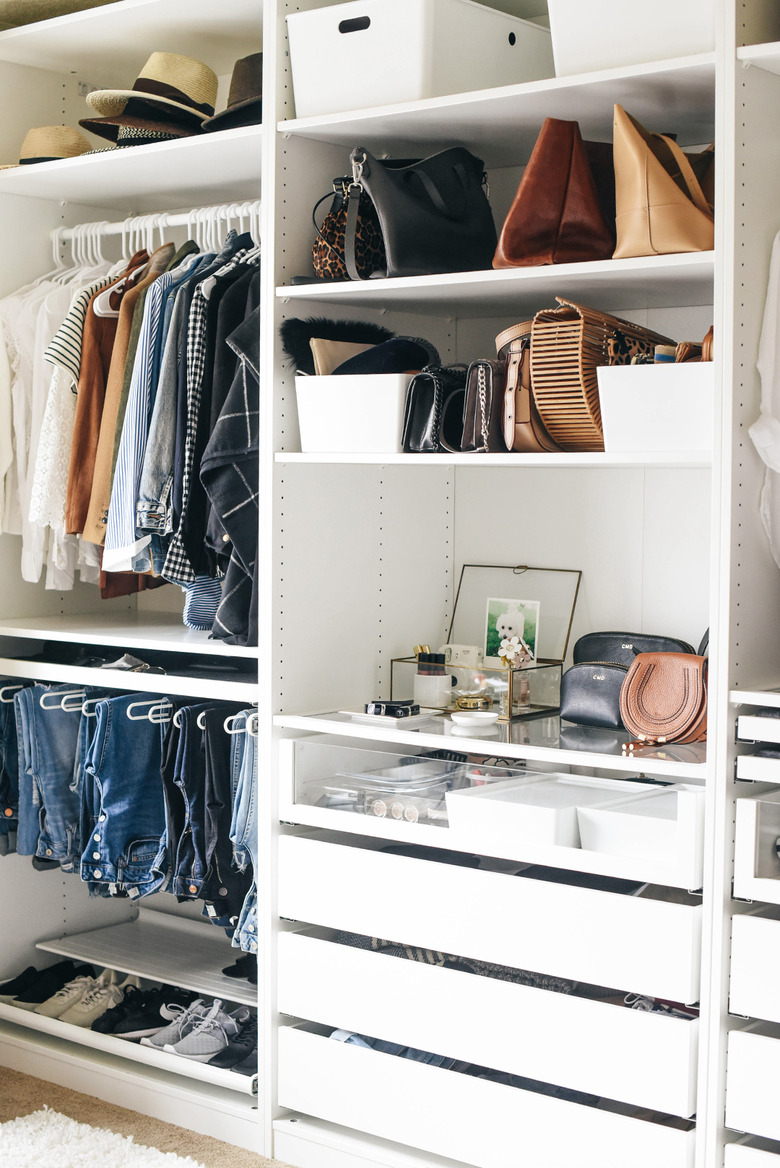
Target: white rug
46,1139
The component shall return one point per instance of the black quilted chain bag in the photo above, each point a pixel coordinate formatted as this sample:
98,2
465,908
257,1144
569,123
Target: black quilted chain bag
433,413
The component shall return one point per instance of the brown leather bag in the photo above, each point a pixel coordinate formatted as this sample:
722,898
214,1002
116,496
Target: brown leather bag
661,194
524,430
664,699
556,216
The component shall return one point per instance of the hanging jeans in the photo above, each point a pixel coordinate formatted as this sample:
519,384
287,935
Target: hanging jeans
243,833
9,779
225,887
190,777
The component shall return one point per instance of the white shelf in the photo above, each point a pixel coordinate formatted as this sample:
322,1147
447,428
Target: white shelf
188,172
501,125
162,948
764,56
120,1048
673,460
155,683
646,282
111,44
438,733
124,630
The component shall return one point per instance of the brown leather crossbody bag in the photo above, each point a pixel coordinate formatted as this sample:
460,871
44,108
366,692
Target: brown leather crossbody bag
664,699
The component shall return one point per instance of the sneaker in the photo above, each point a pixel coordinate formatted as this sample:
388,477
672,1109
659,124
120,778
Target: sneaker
248,1066
103,995
243,966
106,1022
71,992
211,1035
239,1048
149,1013
49,982
184,1019
17,985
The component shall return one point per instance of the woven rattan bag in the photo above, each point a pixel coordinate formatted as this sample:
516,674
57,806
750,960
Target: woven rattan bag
567,346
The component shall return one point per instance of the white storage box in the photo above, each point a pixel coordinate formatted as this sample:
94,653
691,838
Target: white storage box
615,33
345,414
378,52
537,812
663,407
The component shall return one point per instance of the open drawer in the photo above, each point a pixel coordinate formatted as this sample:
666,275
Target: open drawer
744,1155
759,727
608,1050
457,1115
642,944
755,960
756,862
751,1080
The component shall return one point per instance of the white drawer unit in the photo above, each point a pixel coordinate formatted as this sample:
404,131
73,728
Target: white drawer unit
467,1118
755,960
608,1050
745,1156
644,945
753,768
758,728
756,862
751,1081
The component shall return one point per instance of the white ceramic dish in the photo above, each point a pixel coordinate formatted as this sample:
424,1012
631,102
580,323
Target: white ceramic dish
474,717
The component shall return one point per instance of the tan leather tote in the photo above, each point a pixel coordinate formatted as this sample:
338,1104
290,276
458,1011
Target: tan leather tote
661,206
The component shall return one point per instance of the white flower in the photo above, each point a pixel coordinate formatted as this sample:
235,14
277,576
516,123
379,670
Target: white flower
509,649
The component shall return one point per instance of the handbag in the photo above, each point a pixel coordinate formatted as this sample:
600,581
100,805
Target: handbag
660,193
590,694
523,428
664,699
624,647
483,410
433,410
433,214
687,351
556,216
328,250
567,346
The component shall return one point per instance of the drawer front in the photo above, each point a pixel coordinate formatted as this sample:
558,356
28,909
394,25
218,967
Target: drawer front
740,1156
635,1057
751,1084
755,728
468,1119
647,946
755,960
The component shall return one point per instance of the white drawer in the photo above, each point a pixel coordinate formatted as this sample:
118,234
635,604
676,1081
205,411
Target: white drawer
607,1050
758,728
639,944
755,960
751,1081
756,863
755,769
469,1119
743,1156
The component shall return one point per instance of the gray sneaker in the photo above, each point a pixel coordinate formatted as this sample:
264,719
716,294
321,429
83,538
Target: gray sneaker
184,1019
211,1035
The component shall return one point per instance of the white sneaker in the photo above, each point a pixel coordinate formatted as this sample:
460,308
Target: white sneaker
103,995
69,995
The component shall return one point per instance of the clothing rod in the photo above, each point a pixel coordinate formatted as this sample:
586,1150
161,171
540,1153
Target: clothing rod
164,219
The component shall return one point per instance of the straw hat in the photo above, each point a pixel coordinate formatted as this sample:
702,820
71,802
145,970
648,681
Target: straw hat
145,118
166,80
136,136
245,100
48,144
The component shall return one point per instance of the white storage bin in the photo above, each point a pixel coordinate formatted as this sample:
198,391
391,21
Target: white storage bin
751,1081
615,33
657,407
666,825
755,959
346,414
537,812
378,52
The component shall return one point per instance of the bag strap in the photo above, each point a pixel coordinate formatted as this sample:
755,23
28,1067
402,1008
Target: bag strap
320,236
515,332
688,176
354,192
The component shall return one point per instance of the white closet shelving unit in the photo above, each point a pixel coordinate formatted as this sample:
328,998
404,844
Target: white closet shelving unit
45,69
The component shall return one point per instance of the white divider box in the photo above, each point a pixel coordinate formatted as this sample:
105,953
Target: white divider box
756,863
616,33
352,414
379,52
754,990
664,407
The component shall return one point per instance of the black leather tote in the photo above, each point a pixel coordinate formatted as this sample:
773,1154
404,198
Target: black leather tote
433,213
590,694
433,411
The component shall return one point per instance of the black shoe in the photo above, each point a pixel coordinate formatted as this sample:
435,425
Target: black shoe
239,1049
17,985
49,982
248,1066
106,1022
144,1013
244,966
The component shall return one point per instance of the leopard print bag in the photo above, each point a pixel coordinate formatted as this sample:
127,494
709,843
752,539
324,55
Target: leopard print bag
328,249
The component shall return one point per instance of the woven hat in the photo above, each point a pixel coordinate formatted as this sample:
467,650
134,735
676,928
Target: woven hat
166,80
48,144
135,136
139,115
245,100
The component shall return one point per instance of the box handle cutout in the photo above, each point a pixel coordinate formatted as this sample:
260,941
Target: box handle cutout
355,25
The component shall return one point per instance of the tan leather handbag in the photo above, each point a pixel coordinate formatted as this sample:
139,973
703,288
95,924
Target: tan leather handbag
523,428
661,205
664,699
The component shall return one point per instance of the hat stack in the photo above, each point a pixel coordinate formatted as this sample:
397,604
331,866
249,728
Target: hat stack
245,100
50,144
170,99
